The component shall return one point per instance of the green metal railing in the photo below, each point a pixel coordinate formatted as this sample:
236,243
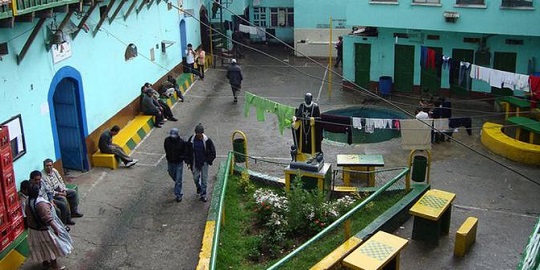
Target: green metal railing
215,240
339,221
26,6
531,254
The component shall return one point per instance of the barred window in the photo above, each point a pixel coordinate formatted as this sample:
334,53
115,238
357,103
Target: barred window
259,16
281,17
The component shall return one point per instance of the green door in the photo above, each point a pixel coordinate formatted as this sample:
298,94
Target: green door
505,62
362,57
404,68
430,79
457,90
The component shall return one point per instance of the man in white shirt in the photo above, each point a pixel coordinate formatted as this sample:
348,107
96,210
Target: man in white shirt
54,179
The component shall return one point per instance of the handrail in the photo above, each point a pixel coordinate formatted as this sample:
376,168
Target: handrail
338,221
220,213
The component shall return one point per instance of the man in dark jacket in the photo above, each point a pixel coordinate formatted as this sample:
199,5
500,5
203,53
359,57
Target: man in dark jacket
150,106
175,148
234,74
200,153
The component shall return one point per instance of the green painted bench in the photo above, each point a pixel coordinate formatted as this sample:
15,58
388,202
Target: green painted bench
518,103
531,125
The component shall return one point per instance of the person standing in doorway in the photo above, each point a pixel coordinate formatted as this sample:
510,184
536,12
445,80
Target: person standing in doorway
339,48
175,148
200,153
107,146
237,43
234,74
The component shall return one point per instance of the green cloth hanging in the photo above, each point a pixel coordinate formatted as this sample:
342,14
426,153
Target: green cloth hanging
262,105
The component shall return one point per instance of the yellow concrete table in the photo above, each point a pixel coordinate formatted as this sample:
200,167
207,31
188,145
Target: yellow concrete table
310,180
359,163
432,214
381,251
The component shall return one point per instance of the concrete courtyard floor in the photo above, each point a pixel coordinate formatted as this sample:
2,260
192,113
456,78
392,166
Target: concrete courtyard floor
131,220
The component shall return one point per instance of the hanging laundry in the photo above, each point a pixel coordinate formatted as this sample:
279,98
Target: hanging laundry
480,73
415,134
521,82
534,82
337,124
423,56
464,79
495,78
461,122
357,122
445,62
430,59
284,113
508,79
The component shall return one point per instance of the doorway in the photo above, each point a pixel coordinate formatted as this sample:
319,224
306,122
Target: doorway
505,62
362,63
67,119
404,68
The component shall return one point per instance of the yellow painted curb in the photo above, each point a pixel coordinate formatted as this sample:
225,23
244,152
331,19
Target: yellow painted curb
13,260
495,140
206,250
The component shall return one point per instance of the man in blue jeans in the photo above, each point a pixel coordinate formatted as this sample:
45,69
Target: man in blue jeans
200,153
174,153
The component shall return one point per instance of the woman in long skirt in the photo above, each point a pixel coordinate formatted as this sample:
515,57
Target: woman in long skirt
47,237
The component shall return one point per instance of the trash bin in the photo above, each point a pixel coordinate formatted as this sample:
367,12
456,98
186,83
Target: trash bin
385,85
239,149
419,169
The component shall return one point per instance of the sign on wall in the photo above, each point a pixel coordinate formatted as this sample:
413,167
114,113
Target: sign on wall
16,136
61,51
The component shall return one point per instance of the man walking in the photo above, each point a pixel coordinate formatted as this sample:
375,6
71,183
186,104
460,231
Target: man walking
107,146
200,154
234,74
174,153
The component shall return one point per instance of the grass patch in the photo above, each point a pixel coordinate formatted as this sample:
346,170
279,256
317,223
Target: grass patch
239,239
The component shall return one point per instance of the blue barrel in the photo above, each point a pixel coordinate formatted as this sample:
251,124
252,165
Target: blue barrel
385,85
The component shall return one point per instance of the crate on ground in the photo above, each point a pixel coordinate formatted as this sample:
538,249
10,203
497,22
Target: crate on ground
7,180
465,236
17,228
128,138
6,161
11,199
5,236
15,213
4,137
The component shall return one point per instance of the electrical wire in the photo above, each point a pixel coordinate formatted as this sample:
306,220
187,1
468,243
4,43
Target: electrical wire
339,75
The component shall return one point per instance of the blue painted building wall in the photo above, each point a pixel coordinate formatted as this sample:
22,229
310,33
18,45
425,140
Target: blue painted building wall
108,82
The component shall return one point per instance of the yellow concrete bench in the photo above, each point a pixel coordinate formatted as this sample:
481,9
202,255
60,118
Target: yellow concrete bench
465,236
335,257
495,140
128,137
381,251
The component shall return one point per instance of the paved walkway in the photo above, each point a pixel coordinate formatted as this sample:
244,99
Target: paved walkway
131,220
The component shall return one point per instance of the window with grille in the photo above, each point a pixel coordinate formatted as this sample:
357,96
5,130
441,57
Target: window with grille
259,16
426,1
282,17
516,3
471,2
